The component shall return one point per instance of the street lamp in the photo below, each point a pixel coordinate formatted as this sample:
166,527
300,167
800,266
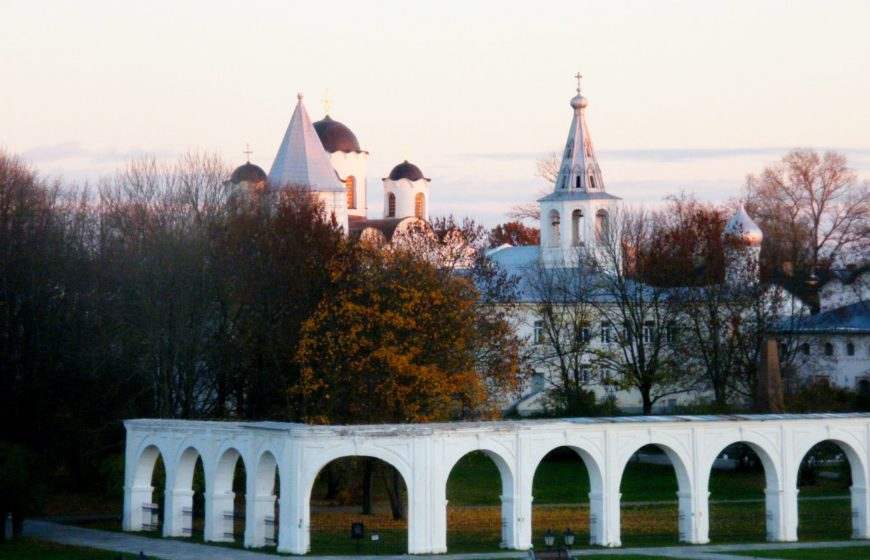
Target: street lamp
568,536
549,538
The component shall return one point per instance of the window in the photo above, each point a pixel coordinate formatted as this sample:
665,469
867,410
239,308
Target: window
585,374
829,349
648,329
554,228
576,224
538,382
579,182
600,222
585,334
783,349
391,205
670,333
606,334
350,186
538,332
805,349
591,182
850,349
420,205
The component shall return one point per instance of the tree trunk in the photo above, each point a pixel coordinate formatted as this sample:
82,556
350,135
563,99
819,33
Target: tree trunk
368,474
393,485
647,401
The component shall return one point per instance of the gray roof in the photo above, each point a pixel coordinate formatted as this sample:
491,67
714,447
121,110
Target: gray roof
578,195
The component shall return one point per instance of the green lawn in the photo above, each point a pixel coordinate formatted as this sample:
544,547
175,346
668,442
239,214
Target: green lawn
29,549
852,553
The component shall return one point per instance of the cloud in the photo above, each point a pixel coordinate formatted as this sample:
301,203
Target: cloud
53,153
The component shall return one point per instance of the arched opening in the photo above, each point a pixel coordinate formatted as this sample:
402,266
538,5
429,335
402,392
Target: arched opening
653,481
737,484
476,514
391,205
600,223
363,490
561,486
188,496
350,187
228,499
555,236
150,490
267,485
827,473
576,227
420,205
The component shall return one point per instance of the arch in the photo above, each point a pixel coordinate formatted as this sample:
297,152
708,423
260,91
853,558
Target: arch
263,518
420,205
350,188
576,227
148,490
555,235
501,513
184,508
392,538
810,514
679,464
594,477
601,222
736,496
391,205
225,511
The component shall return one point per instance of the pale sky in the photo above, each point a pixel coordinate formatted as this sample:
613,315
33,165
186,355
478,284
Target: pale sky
683,95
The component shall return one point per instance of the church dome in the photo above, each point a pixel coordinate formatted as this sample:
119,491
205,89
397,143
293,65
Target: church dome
335,136
741,227
579,102
248,172
406,170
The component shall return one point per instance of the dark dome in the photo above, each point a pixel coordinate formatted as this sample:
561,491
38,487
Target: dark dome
406,170
336,137
248,172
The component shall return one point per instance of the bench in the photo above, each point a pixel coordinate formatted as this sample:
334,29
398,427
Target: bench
553,554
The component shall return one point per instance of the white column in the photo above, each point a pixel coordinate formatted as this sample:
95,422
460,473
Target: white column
860,508
427,500
218,516
260,522
781,511
178,520
507,528
610,516
294,514
693,517
135,500
597,507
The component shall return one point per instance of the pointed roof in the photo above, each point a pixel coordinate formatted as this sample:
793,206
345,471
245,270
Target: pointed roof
579,170
742,227
301,159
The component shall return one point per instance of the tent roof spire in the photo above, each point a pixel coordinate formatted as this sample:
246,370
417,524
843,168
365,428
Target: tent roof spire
579,170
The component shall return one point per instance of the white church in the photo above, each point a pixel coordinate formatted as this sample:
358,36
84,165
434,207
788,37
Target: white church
326,157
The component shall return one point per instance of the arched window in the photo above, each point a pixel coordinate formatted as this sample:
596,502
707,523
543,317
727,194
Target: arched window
420,205
576,227
805,349
555,237
829,349
600,222
391,205
850,349
579,182
591,182
350,186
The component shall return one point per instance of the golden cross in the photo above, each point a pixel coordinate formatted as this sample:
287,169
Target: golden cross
579,77
327,103
248,151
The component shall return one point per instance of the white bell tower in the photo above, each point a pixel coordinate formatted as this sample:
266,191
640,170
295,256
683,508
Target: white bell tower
578,208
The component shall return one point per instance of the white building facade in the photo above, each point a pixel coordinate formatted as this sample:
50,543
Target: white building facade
424,455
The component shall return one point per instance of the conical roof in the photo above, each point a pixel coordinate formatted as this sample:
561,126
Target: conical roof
301,159
579,170
742,227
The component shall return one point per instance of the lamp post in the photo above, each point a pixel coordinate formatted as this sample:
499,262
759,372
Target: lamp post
549,539
568,537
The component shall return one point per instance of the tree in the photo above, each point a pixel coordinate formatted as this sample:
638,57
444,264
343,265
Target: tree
811,208
514,233
640,317
546,168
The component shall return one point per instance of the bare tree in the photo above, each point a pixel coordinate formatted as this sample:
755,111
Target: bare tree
811,208
547,168
638,318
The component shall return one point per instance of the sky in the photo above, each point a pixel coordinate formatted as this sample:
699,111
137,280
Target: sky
683,96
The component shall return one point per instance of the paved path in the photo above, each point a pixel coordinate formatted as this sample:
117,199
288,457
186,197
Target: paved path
170,549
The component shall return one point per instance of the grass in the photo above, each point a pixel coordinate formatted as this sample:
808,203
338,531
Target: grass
853,553
30,549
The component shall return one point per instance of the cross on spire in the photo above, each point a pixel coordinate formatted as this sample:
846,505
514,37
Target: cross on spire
327,103
579,77
248,151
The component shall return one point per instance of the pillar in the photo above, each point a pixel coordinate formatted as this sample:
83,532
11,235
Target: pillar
604,522
694,516
860,508
137,513
293,511
260,521
782,514
219,516
178,520
507,528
